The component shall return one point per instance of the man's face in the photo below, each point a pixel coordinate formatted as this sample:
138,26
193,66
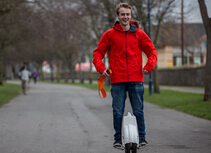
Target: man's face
124,16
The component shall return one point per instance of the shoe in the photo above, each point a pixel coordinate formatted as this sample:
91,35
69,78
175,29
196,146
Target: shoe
143,142
117,143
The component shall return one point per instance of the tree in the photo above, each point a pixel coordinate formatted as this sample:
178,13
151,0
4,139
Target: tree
5,8
160,11
62,34
98,20
207,25
10,29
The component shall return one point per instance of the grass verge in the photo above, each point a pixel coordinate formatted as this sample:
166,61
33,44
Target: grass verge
8,91
86,85
189,103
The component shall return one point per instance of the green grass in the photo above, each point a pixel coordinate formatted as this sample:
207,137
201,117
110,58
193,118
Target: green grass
189,103
86,85
8,91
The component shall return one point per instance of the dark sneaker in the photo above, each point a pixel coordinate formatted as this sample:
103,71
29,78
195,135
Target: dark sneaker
117,143
143,142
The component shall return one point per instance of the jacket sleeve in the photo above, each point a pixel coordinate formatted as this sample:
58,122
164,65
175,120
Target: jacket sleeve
148,48
99,53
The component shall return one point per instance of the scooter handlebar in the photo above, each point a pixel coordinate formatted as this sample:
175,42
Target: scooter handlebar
108,71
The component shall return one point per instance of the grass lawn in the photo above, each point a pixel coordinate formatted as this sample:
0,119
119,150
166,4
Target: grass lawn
8,91
189,103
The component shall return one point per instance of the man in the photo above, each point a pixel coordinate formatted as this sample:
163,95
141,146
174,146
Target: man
24,74
125,43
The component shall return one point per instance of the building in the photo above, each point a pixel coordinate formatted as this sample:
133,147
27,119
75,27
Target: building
169,45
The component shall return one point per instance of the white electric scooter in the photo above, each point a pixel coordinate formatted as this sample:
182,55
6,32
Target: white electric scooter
130,137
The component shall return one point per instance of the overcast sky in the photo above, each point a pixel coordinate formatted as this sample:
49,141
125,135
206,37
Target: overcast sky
195,15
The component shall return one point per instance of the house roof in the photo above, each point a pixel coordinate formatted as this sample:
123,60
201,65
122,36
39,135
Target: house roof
170,34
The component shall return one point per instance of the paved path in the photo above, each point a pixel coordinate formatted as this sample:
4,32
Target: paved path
67,119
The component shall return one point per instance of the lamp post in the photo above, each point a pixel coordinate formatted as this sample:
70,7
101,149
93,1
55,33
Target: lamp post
83,57
149,34
51,67
182,33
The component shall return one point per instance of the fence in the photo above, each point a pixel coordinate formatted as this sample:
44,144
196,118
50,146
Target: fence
176,76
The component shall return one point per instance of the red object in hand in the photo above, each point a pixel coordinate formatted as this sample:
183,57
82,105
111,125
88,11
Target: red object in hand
101,81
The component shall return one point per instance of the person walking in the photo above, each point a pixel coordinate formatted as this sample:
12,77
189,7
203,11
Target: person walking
35,76
125,43
24,75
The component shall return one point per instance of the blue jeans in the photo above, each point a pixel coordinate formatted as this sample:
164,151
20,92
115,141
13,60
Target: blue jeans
136,92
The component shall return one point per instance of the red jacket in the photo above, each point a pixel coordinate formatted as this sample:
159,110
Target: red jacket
125,53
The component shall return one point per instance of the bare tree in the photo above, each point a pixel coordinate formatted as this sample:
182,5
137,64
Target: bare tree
99,16
160,11
207,24
12,31
193,41
62,32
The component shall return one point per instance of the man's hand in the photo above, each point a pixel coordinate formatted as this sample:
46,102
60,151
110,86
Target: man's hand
145,72
105,74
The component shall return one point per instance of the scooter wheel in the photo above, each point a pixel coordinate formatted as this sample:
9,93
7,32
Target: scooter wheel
127,148
134,148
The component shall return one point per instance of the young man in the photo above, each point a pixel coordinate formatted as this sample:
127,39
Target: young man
24,74
125,43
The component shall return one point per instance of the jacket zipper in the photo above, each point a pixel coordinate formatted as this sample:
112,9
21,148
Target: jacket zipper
126,55
139,66
114,67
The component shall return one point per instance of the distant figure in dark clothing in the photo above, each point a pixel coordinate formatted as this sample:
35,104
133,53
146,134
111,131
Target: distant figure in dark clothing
24,75
35,76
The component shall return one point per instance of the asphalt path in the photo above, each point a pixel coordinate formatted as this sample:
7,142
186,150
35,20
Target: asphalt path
69,119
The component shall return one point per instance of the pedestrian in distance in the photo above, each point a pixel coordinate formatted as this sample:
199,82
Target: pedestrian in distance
24,75
125,43
35,76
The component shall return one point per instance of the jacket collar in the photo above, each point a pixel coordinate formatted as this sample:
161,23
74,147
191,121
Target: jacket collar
133,26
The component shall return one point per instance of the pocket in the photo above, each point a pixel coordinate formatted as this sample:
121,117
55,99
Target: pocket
114,67
140,68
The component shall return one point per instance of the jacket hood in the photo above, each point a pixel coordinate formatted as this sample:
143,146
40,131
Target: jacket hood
133,26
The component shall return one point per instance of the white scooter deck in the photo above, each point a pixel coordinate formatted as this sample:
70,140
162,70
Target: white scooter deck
130,137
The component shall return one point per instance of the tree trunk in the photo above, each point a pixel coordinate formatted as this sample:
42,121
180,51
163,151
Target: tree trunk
207,25
66,74
90,73
207,94
80,72
41,75
155,80
72,75
90,69
58,71
1,63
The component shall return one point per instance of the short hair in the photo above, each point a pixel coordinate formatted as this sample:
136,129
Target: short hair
125,5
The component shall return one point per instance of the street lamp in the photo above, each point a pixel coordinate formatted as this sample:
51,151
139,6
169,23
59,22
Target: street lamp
149,31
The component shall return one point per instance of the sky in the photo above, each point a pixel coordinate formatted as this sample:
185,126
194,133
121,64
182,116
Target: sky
195,15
